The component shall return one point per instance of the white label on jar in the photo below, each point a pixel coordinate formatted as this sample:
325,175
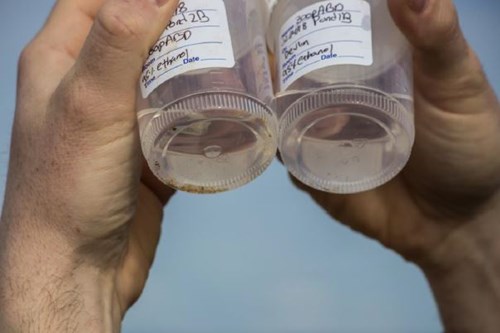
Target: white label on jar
325,34
196,37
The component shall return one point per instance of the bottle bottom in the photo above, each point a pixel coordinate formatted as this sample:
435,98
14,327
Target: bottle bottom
346,140
208,150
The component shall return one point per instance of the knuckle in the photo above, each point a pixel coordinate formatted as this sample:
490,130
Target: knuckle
27,56
71,94
73,104
119,24
445,26
439,30
448,29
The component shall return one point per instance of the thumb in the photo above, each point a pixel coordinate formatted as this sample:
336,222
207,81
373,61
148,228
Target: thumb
444,62
104,80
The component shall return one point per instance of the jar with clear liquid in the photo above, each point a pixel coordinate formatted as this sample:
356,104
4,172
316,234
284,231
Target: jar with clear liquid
344,93
205,118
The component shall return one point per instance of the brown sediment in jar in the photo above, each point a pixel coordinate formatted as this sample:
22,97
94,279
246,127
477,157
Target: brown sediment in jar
194,189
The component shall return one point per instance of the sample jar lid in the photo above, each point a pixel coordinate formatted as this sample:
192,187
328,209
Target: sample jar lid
209,142
346,139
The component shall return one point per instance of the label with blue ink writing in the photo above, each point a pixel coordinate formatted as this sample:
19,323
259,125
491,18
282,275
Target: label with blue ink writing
325,34
197,37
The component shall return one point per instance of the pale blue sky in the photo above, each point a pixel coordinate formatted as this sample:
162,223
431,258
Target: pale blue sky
264,258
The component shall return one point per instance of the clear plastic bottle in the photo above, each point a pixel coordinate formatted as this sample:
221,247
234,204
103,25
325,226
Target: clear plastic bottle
205,118
344,92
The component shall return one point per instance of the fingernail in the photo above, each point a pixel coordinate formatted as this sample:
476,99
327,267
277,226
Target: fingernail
161,3
417,6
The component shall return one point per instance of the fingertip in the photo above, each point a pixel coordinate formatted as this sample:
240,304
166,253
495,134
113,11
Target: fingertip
433,29
428,24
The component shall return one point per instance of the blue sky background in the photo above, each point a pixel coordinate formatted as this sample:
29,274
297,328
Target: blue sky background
263,258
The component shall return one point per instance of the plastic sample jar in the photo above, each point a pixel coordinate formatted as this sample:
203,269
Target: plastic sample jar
205,114
344,93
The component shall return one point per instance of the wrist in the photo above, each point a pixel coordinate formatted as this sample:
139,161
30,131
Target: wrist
464,274
45,284
467,295
473,243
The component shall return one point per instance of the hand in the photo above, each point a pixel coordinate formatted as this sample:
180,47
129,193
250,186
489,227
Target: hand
75,254
441,212
454,171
